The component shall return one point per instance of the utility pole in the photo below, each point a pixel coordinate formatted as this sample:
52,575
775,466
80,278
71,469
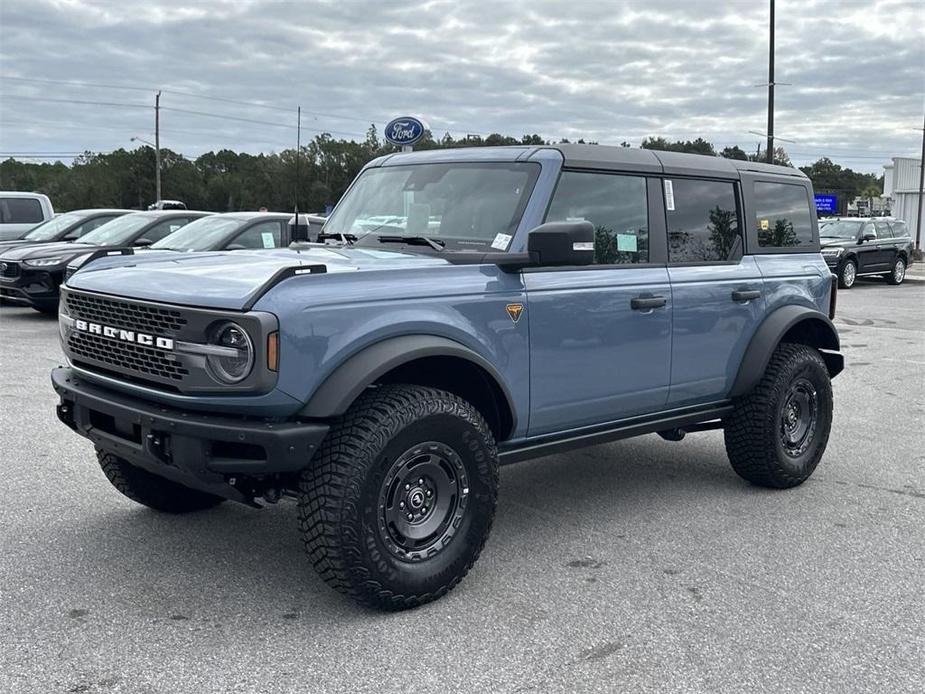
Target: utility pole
918,224
770,153
157,144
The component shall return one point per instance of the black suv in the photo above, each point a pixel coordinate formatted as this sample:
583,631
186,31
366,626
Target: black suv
855,248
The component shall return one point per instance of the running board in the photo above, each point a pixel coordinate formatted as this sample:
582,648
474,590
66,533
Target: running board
685,419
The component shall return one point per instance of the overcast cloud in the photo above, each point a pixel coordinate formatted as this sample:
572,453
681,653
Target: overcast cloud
605,71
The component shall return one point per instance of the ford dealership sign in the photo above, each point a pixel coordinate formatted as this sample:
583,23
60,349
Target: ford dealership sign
404,131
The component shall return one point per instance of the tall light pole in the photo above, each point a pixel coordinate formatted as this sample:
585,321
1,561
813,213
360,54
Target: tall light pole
770,153
157,142
918,223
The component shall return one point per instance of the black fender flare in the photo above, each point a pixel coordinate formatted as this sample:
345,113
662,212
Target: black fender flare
342,386
770,333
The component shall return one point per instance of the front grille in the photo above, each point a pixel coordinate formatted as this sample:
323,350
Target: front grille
156,320
9,269
125,355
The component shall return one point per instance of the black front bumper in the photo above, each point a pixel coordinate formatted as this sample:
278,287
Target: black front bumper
198,450
33,287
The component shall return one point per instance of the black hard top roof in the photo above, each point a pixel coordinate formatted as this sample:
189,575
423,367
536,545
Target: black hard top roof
654,161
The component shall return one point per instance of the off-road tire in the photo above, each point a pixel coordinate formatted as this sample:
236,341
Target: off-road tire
755,429
847,281
340,514
151,490
896,275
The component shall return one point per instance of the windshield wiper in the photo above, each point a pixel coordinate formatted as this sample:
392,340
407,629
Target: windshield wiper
414,241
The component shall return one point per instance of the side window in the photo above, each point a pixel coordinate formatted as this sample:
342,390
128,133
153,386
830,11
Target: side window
165,228
263,235
784,218
703,221
616,205
899,230
883,230
86,227
20,211
868,230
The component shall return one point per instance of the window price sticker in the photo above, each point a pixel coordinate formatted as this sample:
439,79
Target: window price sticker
669,195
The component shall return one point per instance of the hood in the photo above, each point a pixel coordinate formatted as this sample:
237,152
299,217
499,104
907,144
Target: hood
4,245
226,279
45,250
832,242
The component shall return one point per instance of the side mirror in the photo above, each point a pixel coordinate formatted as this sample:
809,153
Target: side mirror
561,243
869,237
141,243
235,247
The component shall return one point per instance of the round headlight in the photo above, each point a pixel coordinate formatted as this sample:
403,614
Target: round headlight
236,359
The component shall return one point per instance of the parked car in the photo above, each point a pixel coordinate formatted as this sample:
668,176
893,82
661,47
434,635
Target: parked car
31,274
167,205
497,305
855,248
68,226
20,212
220,232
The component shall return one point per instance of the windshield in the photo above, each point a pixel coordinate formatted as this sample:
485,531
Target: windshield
840,229
204,234
118,231
466,206
53,228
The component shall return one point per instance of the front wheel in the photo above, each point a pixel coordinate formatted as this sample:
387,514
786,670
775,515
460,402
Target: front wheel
777,434
399,501
848,274
898,272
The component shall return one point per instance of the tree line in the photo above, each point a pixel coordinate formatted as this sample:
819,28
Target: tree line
226,181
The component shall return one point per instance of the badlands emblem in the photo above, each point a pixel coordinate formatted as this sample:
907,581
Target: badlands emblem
143,339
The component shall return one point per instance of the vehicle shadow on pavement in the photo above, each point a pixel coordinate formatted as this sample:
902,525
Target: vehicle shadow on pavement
200,563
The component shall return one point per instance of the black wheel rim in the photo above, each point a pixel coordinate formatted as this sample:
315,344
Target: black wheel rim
422,501
799,417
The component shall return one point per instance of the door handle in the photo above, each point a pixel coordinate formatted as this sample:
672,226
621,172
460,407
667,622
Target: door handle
743,295
647,303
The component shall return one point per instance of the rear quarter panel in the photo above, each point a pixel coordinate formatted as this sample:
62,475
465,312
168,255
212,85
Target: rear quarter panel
795,278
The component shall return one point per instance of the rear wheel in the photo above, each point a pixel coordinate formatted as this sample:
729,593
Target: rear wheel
848,274
898,271
398,504
777,434
151,490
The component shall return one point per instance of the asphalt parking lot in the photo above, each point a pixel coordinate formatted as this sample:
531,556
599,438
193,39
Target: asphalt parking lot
638,566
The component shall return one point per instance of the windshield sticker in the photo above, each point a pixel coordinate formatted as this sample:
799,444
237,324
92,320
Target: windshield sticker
764,225
669,195
627,242
501,241
268,240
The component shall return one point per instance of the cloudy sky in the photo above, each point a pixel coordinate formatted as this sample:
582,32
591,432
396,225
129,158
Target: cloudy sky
79,75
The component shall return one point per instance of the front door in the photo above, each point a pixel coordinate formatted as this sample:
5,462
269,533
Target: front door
600,335
868,250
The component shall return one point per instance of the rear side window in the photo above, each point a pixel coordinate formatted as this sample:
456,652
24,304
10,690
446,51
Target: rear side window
899,230
20,211
703,221
616,205
263,235
783,215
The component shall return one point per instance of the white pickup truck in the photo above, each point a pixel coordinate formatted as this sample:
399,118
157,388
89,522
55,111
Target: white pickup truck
19,212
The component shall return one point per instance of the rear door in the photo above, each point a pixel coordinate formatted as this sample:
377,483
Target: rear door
716,292
600,335
886,246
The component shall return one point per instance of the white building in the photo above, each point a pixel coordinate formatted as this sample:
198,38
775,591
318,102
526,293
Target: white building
901,185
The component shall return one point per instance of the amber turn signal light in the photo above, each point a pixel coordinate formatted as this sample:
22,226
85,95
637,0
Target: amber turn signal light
273,351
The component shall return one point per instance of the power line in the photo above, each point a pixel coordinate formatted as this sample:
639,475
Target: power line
177,92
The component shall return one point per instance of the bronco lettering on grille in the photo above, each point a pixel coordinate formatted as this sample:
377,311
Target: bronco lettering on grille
143,339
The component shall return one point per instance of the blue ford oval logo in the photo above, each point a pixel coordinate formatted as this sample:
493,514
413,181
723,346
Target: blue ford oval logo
404,131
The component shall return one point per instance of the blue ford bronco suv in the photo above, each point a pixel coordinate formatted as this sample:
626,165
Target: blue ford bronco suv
468,308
